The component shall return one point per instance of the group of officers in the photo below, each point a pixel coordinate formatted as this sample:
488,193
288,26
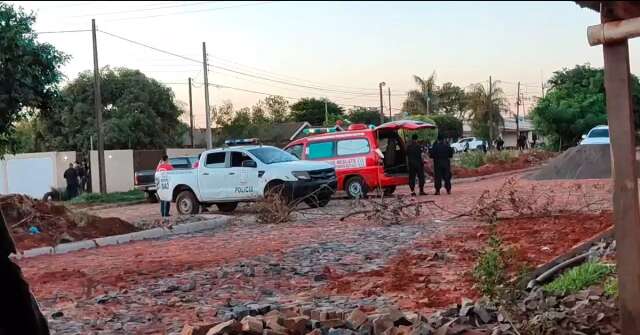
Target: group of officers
441,153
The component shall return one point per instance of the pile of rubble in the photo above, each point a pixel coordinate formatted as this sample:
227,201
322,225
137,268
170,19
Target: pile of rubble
589,311
467,318
35,223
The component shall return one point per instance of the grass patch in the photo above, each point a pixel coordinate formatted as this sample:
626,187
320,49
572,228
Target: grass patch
611,287
501,157
472,159
579,278
490,270
109,198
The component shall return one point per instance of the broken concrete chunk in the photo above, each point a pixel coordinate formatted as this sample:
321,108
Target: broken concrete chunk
196,329
381,324
252,325
227,327
298,325
356,318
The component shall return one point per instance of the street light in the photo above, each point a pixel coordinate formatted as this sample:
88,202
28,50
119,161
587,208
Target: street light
381,103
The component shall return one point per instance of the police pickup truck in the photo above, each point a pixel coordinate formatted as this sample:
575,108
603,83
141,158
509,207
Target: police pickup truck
245,171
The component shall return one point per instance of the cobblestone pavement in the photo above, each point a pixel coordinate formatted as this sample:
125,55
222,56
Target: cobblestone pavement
151,287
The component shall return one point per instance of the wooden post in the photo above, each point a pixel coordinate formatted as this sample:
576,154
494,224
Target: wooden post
625,180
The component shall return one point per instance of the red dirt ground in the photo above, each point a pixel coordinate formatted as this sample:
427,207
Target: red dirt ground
54,222
438,272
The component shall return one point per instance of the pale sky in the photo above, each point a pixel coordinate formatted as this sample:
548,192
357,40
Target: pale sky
340,50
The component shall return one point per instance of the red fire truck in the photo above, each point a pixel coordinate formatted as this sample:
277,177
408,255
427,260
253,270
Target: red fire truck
365,158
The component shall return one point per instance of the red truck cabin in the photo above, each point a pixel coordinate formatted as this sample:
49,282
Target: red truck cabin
365,159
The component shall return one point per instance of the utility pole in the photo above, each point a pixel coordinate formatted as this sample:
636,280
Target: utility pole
206,94
518,112
381,103
390,115
191,113
326,113
97,95
490,112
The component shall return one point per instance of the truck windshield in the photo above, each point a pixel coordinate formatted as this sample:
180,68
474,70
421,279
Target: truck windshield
272,155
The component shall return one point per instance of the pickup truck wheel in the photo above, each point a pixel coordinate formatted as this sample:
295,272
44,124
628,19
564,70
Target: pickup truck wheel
227,207
152,197
355,187
315,202
187,203
389,190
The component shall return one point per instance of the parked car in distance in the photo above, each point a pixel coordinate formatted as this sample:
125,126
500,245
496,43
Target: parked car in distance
146,181
244,171
469,143
597,135
364,158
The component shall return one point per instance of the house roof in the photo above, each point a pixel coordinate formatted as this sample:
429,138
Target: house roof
278,132
613,10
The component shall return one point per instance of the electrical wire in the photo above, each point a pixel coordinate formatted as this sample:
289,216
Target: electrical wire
62,31
143,9
188,12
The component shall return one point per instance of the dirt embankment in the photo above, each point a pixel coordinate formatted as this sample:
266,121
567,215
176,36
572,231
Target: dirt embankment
581,162
523,161
438,272
35,223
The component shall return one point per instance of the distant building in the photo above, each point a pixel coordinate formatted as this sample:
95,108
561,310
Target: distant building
508,131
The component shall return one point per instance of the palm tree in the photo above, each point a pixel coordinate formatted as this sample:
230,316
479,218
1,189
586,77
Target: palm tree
484,110
422,100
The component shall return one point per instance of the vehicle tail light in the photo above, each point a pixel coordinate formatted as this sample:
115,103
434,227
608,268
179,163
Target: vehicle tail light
135,180
196,164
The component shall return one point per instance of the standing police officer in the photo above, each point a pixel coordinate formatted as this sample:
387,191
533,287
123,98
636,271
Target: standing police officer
441,153
416,168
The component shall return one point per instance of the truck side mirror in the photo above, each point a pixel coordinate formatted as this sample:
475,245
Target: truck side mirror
249,164
584,136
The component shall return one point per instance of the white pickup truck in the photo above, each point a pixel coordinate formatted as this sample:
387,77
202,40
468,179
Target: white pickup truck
229,175
469,143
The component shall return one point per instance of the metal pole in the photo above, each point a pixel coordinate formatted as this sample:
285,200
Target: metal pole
98,109
326,113
381,103
490,107
390,115
518,112
206,95
191,113
626,210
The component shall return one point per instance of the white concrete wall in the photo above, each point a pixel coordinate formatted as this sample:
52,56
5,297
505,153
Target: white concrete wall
118,170
180,152
34,173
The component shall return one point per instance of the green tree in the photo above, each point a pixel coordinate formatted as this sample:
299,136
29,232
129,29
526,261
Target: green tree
451,100
139,113
365,115
427,135
29,73
312,110
575,103
424,99
277,108
448,125
485,110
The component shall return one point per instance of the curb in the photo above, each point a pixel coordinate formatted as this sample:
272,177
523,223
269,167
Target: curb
98,207
493,175
154,233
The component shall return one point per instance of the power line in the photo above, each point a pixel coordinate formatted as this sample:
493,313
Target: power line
191,11
235,71
143,9
62,31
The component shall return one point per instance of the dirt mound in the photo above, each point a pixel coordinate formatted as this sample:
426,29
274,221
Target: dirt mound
34,223
580,162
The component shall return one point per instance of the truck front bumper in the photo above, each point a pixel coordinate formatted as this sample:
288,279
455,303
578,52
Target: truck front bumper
302,188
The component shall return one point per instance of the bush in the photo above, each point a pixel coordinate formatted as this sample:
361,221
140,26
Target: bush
472,159
427,135
109,198
489,271
500,157
579,278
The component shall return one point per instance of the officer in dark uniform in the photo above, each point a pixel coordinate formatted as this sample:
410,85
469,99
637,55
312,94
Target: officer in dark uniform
416,168
441,153
19,311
